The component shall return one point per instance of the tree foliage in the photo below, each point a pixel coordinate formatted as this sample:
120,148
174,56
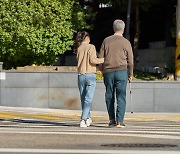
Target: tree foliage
36,31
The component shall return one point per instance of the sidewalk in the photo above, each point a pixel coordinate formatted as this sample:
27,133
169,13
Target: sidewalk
7,113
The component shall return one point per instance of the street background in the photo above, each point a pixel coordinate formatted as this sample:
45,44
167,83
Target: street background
37,130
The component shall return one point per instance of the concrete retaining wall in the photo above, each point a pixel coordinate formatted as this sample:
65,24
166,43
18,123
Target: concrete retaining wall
59,90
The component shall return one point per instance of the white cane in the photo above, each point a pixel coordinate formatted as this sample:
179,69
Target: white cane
130,91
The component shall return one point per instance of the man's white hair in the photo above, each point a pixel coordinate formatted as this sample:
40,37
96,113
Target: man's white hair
118,25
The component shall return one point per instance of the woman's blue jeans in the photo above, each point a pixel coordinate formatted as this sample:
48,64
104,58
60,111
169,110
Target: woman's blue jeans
115,83
86,84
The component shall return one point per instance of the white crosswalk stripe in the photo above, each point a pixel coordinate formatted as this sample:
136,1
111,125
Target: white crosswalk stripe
163,131
170,132
84,151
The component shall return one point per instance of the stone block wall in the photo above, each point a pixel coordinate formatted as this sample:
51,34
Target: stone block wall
59,90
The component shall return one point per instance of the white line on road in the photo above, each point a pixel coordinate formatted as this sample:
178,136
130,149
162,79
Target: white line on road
177,132
160,126
84,151
96,134
152,132
142,131
138,128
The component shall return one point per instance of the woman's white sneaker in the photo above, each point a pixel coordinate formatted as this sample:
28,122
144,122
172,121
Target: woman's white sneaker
88,122
83,123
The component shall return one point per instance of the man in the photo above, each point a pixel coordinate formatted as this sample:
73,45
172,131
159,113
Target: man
117,69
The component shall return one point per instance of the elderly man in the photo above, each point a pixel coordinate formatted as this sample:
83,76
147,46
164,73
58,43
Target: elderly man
117,69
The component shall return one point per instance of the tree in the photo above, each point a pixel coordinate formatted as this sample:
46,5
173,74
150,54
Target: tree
36,31
177,73
144,5
137,8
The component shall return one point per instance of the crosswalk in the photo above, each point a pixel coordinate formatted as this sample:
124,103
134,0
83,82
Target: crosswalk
165,131
146,130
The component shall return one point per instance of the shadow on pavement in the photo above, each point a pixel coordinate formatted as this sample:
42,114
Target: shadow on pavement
51,123
41,122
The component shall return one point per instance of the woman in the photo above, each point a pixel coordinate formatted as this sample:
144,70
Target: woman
87,60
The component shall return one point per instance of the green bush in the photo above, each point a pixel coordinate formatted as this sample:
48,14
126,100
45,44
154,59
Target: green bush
36,31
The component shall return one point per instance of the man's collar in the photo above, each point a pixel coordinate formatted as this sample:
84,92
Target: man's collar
118,34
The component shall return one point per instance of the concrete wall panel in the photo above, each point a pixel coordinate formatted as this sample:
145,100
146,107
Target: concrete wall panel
26,79
142,100
63,80
59,90
25,97
64,98
167,100
99,103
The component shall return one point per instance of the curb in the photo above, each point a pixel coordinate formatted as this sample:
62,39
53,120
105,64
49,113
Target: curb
61,115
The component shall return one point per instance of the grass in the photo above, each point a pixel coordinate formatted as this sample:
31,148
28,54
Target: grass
138,75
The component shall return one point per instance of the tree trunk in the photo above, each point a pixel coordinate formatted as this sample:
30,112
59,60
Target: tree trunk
177,73
136,37
127,35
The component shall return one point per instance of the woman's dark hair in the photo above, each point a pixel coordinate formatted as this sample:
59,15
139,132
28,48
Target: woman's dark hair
79,39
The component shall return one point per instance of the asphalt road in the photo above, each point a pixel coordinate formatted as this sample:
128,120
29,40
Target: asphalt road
29,136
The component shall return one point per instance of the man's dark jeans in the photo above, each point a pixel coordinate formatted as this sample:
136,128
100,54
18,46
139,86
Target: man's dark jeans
116,83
